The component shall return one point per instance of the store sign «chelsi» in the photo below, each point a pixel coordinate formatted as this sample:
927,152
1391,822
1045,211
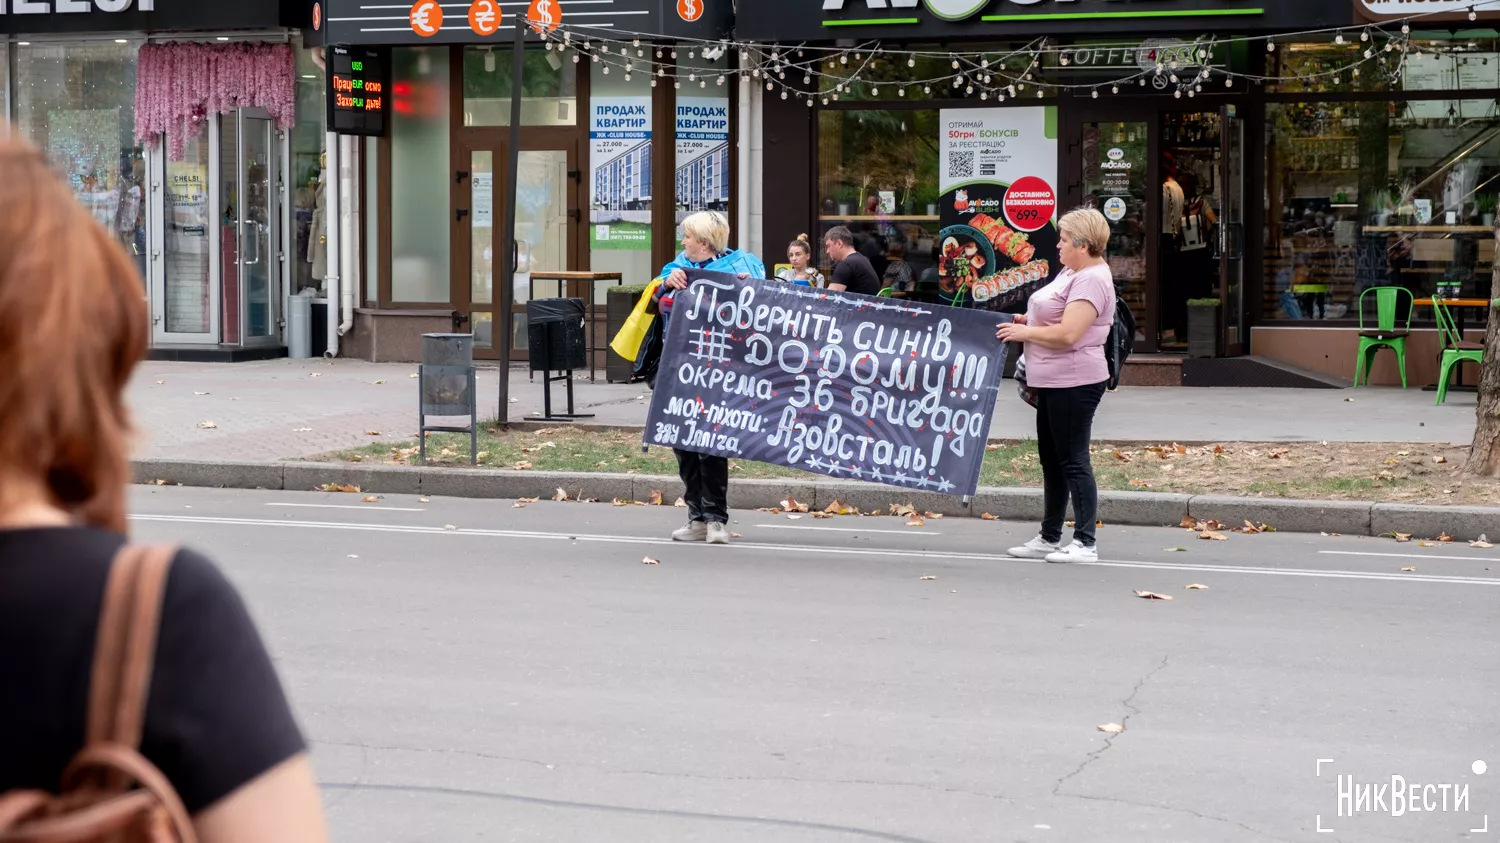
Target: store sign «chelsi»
47,7
956,10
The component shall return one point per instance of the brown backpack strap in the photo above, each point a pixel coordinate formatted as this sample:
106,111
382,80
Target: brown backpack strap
126,646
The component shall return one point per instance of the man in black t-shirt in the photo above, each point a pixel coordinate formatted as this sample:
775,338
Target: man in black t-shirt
853,271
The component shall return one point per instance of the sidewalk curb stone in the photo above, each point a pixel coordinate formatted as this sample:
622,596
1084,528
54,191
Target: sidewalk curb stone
1139,509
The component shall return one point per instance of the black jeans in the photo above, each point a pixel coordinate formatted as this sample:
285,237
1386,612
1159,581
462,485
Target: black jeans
1064,425
707,482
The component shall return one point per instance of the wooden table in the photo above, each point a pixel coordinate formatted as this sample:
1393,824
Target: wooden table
1459,305
589,278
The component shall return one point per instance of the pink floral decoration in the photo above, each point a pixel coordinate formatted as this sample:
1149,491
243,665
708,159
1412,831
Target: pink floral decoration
178,84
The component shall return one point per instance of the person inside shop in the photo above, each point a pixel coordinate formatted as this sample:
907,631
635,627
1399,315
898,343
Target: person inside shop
1173,202
214,726
705,245
1195,274
852,271
801,272
898,275
1065,327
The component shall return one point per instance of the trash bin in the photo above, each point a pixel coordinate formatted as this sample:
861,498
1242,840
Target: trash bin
554,334
299,327
447,361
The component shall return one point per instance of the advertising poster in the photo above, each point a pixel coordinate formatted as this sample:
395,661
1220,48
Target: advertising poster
998,211
702,155
848,386
620,157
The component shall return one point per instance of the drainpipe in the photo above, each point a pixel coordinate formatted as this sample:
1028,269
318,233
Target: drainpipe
349,246
333,224
742,211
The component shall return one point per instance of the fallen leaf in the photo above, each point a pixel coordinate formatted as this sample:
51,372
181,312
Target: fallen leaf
335,487
1440,460
680,504
655,498
414,375
481,455
935,516
1175,549
1189,522
1348,400
838,507
1151,595
929,577
903,509
518,505
1112,728
1218,450
515,400
1403,453
371,499
561,496
824,515
160,383
545,431
1400,537
1179,448
449,527
160,482
1483,543
1213,536
207,425
734,466
734,535
528,500
791,505
916,522
1426,544
992,447
794,516
618,502
200,393
378,383
303,430
1409,569
354,556
1122,457
989,517
649,561
522,466
424,500
1445,538
372,433
1196,586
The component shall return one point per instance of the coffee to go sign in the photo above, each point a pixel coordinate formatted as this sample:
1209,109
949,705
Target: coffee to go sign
47,7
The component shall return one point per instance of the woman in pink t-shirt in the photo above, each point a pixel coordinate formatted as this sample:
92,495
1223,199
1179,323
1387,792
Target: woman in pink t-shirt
1065,328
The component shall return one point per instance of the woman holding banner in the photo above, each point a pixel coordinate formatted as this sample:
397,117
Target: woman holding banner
1065,328
705,245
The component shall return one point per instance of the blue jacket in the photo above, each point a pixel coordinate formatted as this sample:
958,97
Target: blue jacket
733,262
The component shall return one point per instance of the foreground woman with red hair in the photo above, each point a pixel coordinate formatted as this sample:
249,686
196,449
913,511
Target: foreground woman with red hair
212,716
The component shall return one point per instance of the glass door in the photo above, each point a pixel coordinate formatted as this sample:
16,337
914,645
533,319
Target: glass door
1115,174
250,184
546,236
1232,235
185,301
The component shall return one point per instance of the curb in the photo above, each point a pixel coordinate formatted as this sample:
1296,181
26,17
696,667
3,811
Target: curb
1131,509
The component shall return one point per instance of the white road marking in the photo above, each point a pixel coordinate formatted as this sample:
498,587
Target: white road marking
823,551
911,532
344,506
1418,556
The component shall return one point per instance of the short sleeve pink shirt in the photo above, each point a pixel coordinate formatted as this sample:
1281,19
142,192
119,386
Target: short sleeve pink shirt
1082,364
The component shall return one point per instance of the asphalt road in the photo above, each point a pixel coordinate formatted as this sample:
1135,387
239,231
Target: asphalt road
471,671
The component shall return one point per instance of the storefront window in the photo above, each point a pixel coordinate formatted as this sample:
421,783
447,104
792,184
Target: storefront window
1369,194
308,138
549,88
77,102
188,226
878,175
702,165
620,160
421,235
1434,62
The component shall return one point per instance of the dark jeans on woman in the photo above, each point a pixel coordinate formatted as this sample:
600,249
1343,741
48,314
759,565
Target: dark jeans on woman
707,482
1064,425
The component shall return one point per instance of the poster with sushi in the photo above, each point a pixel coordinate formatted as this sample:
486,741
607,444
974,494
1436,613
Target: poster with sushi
998,213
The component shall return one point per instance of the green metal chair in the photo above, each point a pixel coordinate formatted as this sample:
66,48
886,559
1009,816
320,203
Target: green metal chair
1386,333
1455,349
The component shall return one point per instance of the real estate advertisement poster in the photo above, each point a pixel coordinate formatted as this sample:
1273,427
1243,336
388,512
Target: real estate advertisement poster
620,158
998,210
702,155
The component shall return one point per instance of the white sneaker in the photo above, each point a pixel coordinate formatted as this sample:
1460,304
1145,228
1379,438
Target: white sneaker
1075,552
695,531
1037,548
718,533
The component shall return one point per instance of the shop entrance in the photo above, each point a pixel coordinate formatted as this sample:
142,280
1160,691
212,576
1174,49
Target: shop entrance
1172,184
218,222
549,226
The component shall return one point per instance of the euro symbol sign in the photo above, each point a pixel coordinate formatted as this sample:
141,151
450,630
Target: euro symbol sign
484,17
690,10
544,15
426,18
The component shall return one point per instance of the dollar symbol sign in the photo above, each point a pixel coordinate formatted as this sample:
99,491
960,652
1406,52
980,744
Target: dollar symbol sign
544,12
689,9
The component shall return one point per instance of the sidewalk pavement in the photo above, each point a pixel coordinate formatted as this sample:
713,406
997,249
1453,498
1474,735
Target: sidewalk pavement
284,409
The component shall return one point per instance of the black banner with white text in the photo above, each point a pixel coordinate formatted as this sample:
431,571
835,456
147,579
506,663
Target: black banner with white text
850,386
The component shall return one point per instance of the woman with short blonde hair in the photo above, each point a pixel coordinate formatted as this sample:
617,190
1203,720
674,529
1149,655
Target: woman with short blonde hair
709,227
1065,328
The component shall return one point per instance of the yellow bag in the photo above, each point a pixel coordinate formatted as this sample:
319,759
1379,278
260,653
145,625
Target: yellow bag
627,343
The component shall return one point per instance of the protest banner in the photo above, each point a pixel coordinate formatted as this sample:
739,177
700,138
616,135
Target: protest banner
854,387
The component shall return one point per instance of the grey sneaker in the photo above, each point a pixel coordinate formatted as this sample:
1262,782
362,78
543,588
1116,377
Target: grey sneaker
1075,552
1037,548
718,533
694,531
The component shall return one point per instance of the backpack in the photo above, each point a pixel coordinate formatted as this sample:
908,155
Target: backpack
111,793
1121,341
